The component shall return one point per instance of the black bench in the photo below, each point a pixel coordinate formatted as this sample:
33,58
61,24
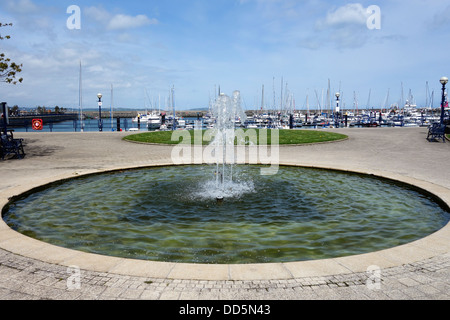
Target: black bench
436,132
11,146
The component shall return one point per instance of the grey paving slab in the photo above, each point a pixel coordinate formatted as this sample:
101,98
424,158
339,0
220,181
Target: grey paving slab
32,270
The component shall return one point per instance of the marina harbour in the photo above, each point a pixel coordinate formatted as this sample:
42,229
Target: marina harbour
88,125
160,121
216,153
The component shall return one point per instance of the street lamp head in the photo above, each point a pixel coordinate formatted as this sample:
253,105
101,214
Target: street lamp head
338,94
99,95
444,80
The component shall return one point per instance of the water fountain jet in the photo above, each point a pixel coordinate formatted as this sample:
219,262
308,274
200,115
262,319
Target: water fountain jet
225,110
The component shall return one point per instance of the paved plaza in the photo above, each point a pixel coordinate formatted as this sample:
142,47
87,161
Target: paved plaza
30,269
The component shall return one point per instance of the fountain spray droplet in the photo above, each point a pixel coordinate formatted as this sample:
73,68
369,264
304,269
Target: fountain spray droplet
226,110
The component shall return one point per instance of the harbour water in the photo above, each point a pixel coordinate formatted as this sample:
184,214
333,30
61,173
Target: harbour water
269,120
89,125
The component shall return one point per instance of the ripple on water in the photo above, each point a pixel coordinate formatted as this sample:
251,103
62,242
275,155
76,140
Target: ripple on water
171,214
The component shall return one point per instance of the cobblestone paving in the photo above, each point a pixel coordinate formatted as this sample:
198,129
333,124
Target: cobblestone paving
25,278
50,154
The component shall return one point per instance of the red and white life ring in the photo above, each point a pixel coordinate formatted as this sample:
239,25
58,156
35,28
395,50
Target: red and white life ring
37,124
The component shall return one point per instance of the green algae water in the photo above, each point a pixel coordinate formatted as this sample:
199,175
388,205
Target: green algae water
171,214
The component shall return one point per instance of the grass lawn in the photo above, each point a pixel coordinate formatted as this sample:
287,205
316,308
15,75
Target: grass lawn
286,137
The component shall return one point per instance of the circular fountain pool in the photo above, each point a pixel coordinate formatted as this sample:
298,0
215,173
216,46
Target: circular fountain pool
171,214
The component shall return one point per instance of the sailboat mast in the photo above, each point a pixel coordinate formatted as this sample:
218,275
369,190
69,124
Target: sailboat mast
274,99
321,103
355,111
432,100
387,99
368,100
281,98
329,98
262,99
174,126
318,101
80,99
307,105
111,109
402,103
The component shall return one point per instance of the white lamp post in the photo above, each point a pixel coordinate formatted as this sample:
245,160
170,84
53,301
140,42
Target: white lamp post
100,122
338,110
444,81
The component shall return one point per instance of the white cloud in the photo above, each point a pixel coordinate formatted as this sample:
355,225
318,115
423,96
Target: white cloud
344,27
121,21
21,6
350,14
97,13
118,21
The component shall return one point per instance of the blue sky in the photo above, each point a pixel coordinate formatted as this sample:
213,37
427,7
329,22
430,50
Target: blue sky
143,48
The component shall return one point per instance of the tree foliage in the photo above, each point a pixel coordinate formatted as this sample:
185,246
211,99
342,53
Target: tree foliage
8,68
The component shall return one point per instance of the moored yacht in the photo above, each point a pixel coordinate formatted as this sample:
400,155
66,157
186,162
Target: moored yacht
153,121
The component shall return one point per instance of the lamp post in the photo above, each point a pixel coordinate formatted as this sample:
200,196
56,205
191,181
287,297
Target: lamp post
4,117
338,110
100,122
444,81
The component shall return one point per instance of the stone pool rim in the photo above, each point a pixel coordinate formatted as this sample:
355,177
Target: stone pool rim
425,248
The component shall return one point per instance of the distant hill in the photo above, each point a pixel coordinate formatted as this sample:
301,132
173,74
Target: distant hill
198,109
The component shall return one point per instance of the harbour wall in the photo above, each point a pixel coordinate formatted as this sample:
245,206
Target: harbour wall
26,120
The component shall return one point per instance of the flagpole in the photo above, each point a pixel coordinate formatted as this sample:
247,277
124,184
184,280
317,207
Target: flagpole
80,99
